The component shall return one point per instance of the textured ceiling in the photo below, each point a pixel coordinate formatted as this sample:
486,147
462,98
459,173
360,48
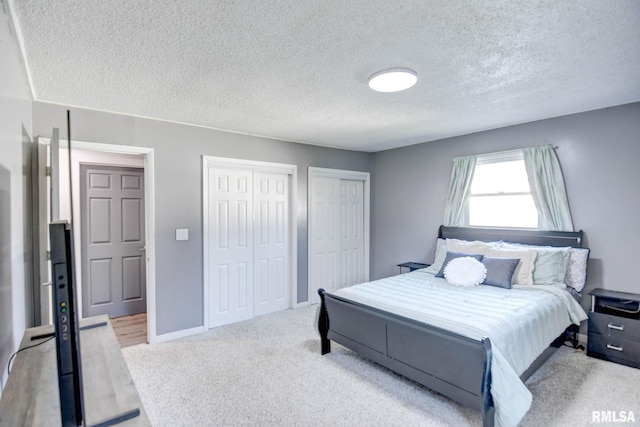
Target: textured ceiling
297,70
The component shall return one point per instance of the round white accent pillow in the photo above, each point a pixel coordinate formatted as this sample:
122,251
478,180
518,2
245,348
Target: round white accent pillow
465,271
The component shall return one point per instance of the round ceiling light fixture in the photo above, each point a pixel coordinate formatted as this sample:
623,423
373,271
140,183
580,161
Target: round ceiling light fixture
393,80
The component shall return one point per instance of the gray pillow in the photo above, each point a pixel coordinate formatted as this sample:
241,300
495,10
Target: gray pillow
499,271
454,255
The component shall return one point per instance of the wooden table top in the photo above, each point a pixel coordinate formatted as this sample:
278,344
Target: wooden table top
31,396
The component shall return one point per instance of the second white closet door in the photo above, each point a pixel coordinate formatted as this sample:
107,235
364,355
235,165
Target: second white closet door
351,232
249,258
336,233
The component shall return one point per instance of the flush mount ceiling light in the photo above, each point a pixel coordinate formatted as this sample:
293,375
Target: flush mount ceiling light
393,80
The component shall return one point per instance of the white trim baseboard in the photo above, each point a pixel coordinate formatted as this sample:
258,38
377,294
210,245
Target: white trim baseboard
177,334
302,304
582,339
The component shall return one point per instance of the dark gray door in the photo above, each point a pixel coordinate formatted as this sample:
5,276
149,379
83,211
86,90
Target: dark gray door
113,245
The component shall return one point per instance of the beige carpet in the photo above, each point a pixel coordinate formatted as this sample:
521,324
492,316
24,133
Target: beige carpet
269,372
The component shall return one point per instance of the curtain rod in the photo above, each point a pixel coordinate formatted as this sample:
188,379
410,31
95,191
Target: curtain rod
515,150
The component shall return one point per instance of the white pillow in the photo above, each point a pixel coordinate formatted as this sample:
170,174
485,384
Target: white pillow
524,272
441,253
577,268
475,247
465,271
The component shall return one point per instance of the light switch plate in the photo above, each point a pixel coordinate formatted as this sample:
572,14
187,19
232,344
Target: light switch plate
182,234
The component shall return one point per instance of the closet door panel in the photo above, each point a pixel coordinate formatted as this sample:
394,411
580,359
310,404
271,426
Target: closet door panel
271,249
351,232
324,234
230,245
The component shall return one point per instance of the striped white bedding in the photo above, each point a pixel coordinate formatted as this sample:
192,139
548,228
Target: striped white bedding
521,322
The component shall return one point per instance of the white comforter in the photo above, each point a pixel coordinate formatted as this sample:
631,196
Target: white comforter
520,322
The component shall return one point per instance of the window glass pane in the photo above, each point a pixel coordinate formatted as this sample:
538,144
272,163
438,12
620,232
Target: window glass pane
503,211
502,177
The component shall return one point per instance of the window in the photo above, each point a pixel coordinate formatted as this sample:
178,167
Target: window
492,190
500,195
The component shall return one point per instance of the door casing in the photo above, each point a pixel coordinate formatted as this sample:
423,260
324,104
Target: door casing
149,191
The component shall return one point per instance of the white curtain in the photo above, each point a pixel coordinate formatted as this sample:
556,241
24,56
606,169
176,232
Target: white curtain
547,187
459,190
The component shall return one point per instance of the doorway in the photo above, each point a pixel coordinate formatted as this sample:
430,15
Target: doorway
112,240
112,155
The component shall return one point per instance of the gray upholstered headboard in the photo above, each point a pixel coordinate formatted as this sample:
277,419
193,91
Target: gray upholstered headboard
527,237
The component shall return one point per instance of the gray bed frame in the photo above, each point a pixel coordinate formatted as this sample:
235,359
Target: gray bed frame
450,364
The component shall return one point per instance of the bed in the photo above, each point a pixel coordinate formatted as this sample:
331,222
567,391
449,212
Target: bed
401,323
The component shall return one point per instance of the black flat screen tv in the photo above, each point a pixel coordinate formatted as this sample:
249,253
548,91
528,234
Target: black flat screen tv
66,324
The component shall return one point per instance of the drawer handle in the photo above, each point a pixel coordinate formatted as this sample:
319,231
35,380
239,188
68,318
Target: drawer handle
614,347
616,327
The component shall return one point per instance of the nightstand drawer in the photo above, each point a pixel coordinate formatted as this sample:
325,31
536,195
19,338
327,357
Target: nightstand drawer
614,326
614,349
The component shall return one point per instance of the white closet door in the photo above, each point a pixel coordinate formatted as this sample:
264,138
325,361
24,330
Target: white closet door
324,234
338,229
230,245
351,232
271,237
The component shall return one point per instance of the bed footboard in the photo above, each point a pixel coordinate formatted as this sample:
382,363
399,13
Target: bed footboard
323,325
453,365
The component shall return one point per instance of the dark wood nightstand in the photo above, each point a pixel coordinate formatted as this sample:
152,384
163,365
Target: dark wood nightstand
412,266
614,327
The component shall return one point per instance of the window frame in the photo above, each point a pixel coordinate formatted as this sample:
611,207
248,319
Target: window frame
494,158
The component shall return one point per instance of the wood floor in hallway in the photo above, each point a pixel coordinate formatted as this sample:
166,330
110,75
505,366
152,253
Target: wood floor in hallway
130,330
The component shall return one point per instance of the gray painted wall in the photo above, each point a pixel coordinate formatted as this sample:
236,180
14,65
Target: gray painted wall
16,312
178,182
599,153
